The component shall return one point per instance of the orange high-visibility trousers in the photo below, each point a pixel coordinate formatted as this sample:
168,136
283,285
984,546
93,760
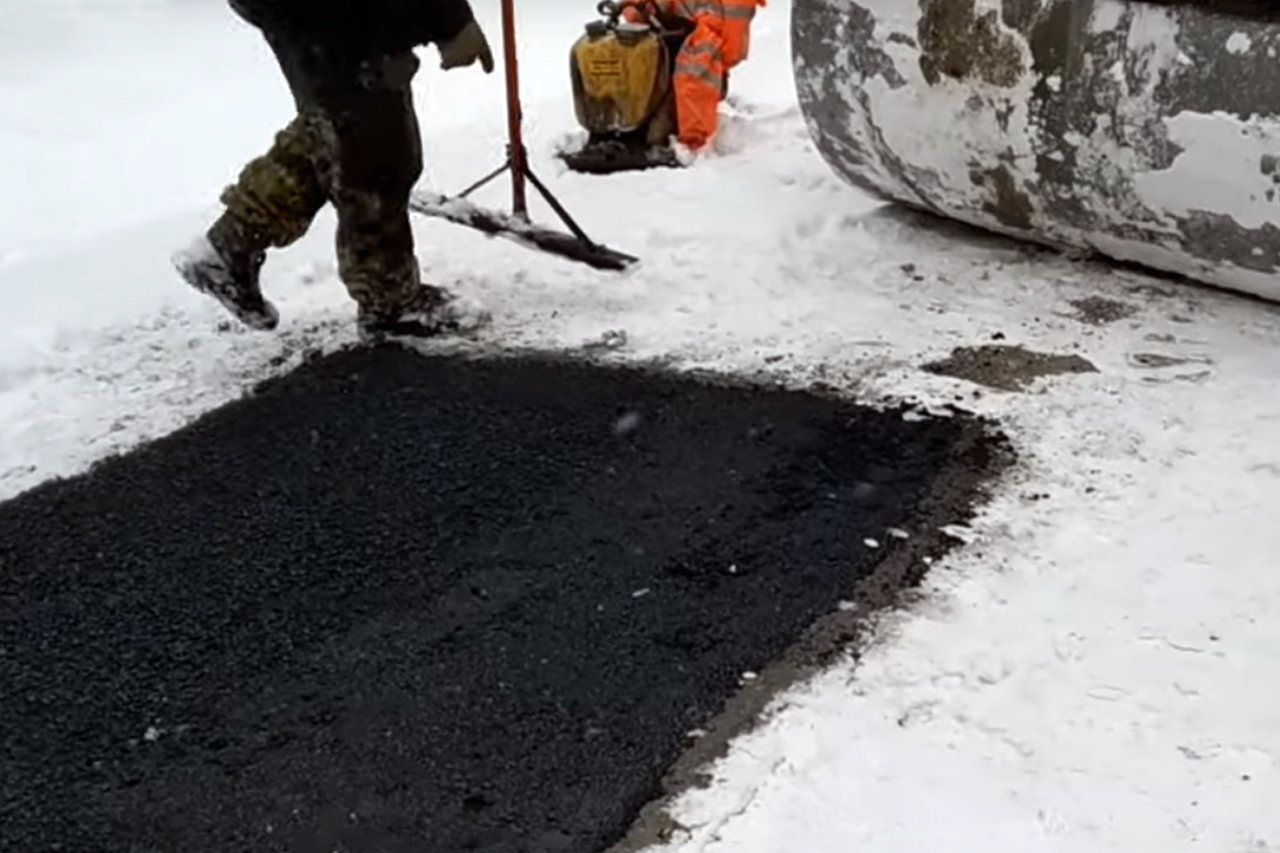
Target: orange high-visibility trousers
699,85
721,39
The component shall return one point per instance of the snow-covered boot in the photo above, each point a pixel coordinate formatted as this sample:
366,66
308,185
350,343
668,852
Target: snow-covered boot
225,264
432,311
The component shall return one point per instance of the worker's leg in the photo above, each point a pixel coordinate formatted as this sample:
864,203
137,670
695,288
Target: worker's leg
699,82
271,204
373,159
277,195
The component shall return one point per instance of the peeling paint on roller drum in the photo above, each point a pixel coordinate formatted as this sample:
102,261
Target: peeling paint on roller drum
960,41
1144,130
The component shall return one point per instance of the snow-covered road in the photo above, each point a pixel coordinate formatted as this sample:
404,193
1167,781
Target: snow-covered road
1096,670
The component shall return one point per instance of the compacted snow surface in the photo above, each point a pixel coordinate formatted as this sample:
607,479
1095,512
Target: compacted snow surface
1094,670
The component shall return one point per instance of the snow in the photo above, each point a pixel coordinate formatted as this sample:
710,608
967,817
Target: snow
1210,145
1094,670
1239,43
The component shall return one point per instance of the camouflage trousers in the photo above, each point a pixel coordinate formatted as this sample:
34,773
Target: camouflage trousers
360,152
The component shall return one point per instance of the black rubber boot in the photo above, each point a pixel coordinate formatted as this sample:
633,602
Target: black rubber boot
225,264
431,312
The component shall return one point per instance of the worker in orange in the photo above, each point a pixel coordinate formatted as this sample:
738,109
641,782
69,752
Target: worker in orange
720,40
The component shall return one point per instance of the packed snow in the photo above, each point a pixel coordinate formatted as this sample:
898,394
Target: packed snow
1094,670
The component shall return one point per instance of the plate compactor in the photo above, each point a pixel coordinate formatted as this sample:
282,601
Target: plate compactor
622,69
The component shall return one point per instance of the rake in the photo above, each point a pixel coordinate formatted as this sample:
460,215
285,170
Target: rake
516,225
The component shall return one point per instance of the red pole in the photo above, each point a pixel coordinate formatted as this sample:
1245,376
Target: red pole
515,138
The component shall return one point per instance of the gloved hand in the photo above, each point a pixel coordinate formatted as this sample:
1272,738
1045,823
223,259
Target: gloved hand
465,48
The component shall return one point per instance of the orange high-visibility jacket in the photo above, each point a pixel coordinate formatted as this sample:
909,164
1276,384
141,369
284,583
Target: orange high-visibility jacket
730,19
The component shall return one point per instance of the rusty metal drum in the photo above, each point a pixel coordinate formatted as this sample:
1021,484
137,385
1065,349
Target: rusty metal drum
1143,131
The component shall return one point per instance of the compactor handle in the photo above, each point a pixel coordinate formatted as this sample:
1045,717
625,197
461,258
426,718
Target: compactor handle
614,10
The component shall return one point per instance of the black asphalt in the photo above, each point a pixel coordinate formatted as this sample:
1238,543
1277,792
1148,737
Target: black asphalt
396,603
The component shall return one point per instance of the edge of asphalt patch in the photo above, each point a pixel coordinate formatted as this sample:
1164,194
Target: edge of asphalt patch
393,601
981,457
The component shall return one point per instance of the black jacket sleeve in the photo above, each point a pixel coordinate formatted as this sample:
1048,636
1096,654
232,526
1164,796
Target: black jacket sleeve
441,20
362,24
405,24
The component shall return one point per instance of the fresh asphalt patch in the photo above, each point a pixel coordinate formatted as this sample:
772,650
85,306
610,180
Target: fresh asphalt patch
402,603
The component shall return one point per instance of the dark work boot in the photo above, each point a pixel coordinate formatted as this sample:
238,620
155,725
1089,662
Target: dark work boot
225,264
432,311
